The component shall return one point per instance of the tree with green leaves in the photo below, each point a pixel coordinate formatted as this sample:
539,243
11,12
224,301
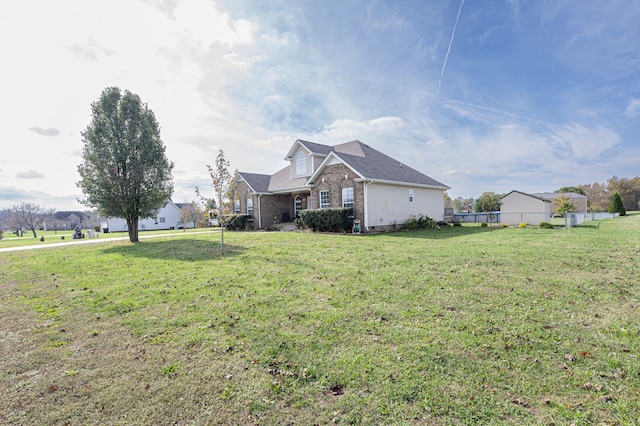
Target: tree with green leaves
488,202
29,216
563,205
629,190
574,189
616,205
124,171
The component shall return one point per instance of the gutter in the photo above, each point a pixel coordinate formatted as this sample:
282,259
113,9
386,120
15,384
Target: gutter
259,212
397,183
366,202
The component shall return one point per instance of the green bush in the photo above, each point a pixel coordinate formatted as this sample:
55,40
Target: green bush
237,222
616,205
326,220
420,222
484,224
545,225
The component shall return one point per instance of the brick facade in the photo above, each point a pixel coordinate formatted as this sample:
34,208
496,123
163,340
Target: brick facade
271,208
334,178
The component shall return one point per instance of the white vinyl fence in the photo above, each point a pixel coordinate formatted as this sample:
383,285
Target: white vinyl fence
575,219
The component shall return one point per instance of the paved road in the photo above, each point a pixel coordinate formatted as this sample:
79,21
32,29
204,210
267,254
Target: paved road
98,240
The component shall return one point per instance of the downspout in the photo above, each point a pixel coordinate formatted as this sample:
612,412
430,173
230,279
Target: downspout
366,205
259,212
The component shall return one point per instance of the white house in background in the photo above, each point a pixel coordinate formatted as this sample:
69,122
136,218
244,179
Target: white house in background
518,207
169,217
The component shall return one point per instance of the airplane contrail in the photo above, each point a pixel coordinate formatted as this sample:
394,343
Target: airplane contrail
453,33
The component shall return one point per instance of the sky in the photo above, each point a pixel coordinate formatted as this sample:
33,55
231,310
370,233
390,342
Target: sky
481,95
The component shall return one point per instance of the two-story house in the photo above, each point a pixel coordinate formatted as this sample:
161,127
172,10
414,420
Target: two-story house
382,191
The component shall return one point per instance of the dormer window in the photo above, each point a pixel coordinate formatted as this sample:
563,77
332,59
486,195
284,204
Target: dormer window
301,163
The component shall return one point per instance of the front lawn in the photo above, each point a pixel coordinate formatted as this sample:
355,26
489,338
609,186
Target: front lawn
463,325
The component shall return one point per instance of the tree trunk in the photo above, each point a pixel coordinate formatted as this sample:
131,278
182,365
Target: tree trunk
132,227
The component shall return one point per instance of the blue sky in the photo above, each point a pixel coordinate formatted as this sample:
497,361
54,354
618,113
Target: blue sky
480,95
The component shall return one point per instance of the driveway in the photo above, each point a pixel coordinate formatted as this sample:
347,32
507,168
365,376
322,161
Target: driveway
99,240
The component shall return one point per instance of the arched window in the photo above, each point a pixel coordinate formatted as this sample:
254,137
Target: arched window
301,163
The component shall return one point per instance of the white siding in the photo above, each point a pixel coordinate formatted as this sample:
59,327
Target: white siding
389,204
168,217
518,207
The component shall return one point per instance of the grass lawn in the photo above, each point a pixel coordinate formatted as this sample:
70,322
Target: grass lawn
461,325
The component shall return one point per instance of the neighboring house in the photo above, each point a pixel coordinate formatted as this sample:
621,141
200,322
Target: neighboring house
67,220
168,217
579,200
383,192
187,210
518,207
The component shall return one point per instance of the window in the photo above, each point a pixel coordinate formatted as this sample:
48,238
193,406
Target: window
324,199
250,206
347,197
236,206
301,163
411,195
162,220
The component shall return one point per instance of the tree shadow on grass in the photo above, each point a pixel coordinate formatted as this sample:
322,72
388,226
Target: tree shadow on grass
188,250
443,233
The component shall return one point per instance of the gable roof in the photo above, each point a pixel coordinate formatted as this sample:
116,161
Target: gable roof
66,215
365,161
310,147
554,195
189,206
373,164
258,183
527,195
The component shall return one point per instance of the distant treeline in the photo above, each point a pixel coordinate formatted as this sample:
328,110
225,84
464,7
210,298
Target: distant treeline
599,195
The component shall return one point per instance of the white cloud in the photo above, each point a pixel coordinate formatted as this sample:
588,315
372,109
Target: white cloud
45,132
330,73
633,108
577,142
29,174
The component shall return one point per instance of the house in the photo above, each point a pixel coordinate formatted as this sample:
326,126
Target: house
188,215
518,207
383,192
579,200
67,220
168,217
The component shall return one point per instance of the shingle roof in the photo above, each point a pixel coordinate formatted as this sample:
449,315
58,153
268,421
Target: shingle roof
258,182
364,160
554,195
65,215
528,195
372,164
316,148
